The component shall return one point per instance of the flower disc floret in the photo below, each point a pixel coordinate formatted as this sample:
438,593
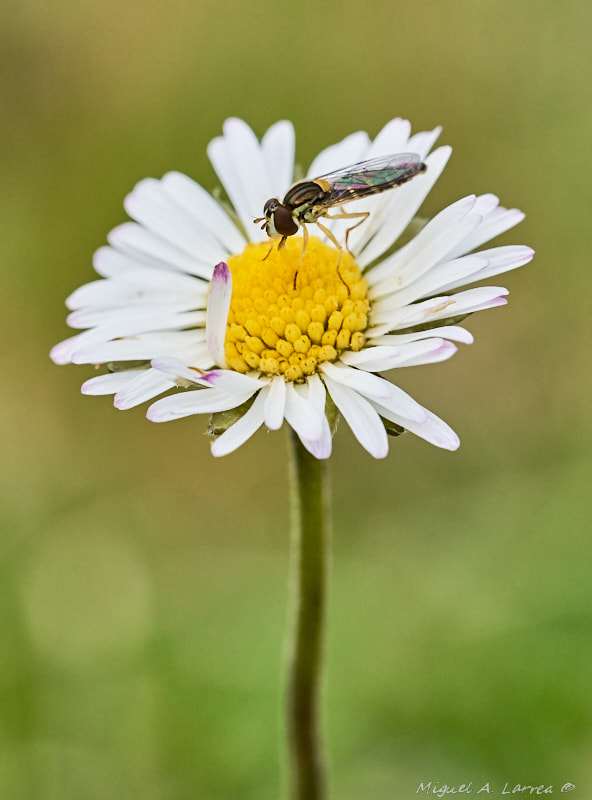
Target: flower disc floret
287,316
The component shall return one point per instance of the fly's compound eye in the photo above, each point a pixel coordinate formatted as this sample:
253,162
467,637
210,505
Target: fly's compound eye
284,222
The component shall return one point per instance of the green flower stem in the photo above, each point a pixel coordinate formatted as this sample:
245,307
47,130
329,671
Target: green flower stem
309,574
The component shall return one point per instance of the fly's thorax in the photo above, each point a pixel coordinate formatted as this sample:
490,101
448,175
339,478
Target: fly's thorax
304,198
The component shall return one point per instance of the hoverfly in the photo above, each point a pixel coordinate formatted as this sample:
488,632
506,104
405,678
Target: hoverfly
309,200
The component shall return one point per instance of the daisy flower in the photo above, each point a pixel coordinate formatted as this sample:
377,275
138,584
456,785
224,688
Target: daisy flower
193,303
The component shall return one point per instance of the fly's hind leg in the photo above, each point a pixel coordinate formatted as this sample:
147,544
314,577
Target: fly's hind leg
361,216
329,233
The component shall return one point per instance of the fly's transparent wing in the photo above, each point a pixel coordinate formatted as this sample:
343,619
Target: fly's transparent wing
369,177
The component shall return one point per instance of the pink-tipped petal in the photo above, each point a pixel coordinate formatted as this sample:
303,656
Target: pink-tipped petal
232,382
217,312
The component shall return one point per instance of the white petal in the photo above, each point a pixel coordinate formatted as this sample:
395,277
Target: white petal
136,319
275,403
348,151
114,295
436,308
137,348
319,448
438,279
367,384
499,220
504,259
63,352
149,249
185,404
141,287
428,351
176,368
431,245
453,332
117,323
486,204
302,415
127,255
110,263
234,383
146,386
378,359
206,211
242,430
369,357
238,160
111,383
496,261
149,204
314,391
423,142
432,429
95,346
392,139
278,146
374,388
217,312
361,417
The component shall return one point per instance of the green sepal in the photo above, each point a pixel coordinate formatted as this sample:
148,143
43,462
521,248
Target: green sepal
332,414
392,428
125,366
220,421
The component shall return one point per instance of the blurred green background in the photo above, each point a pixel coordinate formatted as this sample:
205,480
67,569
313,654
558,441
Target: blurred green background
143,591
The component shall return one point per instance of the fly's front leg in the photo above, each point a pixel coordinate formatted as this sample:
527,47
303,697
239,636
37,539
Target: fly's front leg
266,256
281,243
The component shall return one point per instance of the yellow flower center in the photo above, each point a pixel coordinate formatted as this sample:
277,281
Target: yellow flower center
282,329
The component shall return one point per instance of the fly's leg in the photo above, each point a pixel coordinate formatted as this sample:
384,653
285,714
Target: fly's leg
304,246
328,233
361,216
282,242
266,256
